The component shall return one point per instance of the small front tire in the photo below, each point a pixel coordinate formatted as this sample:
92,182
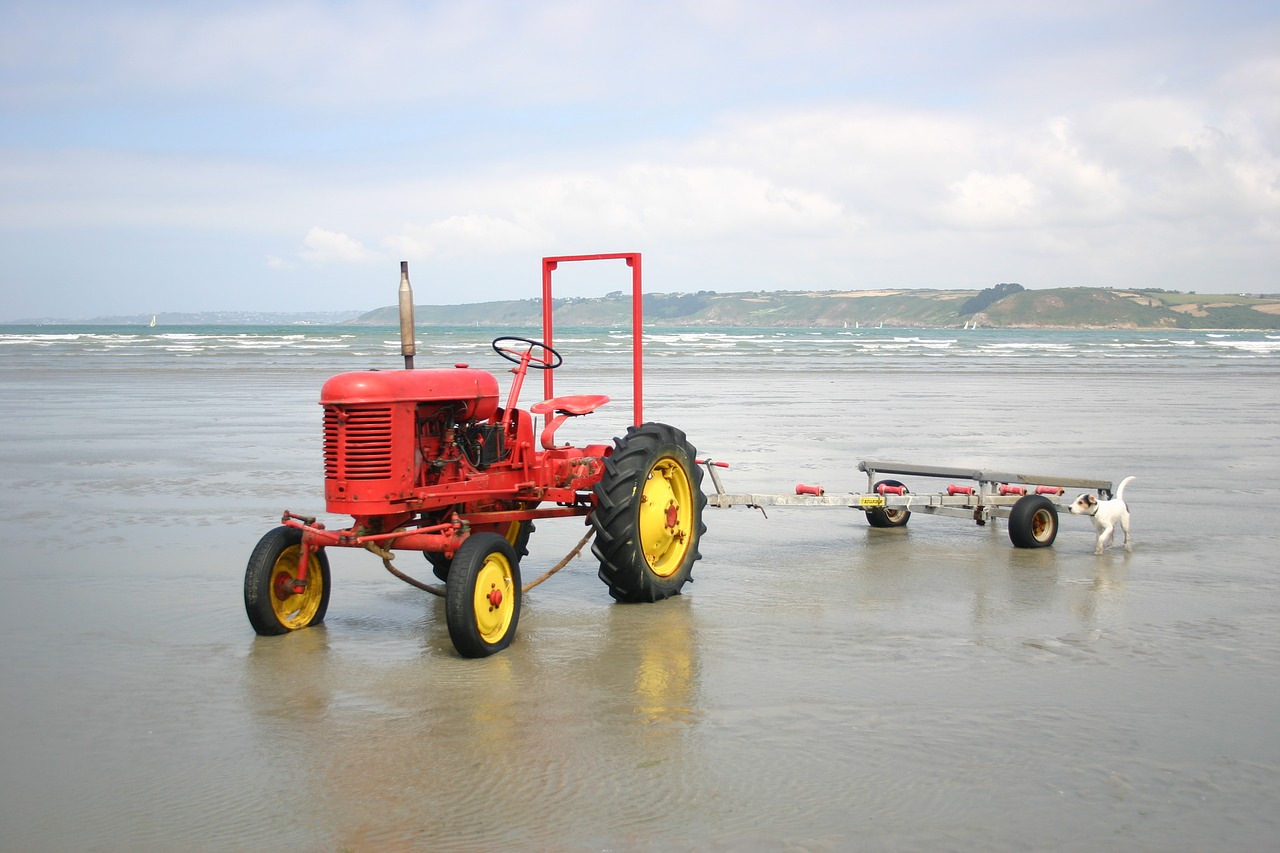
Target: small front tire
888,516
482,598
1033,522
269,600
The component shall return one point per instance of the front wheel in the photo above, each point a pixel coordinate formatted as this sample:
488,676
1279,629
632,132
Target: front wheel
270,600
648,514
482,598
1033,522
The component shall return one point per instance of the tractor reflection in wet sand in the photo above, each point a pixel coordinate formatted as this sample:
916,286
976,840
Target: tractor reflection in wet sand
426,460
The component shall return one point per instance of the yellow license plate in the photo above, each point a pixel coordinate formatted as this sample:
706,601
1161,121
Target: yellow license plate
870,501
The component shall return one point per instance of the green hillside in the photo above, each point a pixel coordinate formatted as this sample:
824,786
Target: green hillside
1077,307
1089,307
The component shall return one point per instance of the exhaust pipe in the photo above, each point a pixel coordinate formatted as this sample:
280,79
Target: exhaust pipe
407,346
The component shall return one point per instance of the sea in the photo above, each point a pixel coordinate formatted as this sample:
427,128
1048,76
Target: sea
821,685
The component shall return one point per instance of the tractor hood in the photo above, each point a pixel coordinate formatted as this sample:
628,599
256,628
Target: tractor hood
477,389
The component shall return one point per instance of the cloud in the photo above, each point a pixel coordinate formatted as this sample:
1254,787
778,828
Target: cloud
321,247
498,53
634,202
856,191
750,145
463,234
993,201
832,171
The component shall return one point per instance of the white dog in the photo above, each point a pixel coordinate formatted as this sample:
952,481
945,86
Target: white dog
1106,515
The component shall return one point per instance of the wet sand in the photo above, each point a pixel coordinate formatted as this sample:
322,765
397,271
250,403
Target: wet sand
820,686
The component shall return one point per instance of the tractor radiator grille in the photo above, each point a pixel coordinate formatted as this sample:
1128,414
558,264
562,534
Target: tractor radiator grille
357,443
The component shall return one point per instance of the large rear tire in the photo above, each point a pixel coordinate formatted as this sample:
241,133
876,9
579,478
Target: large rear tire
648,514
482,599
269,601
1033,522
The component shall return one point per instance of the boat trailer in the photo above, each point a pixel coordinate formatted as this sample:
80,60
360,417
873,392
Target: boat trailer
1029,502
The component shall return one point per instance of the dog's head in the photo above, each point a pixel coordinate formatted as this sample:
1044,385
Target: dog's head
1084,505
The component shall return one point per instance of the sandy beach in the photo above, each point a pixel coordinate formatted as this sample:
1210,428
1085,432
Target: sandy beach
820,686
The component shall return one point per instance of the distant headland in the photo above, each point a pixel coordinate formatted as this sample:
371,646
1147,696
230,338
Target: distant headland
1007,305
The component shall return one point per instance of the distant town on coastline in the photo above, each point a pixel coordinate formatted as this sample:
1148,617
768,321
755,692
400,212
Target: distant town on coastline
1006,305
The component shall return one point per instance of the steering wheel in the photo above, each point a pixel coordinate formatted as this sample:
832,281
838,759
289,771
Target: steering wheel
550,359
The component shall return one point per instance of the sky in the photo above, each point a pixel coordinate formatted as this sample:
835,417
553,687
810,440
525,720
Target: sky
286,156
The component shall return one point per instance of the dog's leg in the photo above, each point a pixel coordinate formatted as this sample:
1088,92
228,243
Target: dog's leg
1124,525
1104,538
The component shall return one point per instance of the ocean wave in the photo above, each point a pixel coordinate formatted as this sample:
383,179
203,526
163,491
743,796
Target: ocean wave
726,347
1264,347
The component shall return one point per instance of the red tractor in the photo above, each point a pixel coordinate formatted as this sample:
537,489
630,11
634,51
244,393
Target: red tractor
426,460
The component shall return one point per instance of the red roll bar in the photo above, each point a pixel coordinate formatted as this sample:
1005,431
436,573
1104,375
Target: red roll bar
637,324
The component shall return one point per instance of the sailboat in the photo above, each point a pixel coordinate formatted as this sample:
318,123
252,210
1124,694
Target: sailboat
152,324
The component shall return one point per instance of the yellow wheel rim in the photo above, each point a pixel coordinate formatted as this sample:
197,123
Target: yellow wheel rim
295,611
666,517
494,598
513,532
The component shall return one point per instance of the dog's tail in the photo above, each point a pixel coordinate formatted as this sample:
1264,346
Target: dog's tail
1120,491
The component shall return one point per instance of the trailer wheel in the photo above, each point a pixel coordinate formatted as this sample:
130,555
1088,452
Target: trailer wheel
888,516
482,600
517,533
269,600
1033,522
648,514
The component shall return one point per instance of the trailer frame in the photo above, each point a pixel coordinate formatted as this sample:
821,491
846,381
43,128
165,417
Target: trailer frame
1026,501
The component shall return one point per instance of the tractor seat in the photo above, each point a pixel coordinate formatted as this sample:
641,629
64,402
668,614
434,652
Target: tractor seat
578,404
565,408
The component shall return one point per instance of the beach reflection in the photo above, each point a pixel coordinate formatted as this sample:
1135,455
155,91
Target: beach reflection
650,652
439,751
